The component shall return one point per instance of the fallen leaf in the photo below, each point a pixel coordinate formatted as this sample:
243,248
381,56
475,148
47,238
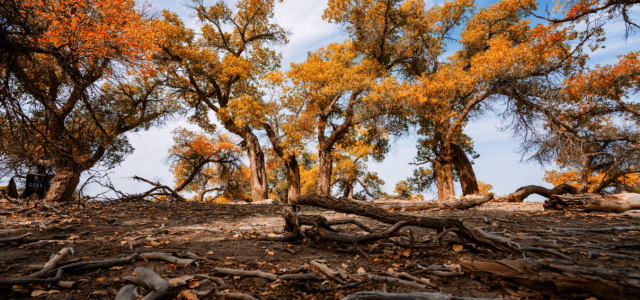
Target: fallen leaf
38,293
361,270
174,282
457,248
193,284
101,279
116,268
187,295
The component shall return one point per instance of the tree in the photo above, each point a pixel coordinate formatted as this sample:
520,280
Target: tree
220,71
72,85
337,90
204,163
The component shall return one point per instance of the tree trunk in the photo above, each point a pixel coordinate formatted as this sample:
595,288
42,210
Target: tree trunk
325,168
429,205
522,193
444,179
464,168
293,178
617,203
257,166
348,189
552,277
63,185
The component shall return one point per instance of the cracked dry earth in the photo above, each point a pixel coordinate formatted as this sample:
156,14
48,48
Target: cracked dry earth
229,236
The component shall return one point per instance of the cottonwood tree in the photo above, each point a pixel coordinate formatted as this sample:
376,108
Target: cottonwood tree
586,119
72,86
203,163
220,70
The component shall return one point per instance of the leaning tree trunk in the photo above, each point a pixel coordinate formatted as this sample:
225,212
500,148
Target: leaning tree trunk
464,168
444,179
348,189
325,168
617,203
257,166
63,185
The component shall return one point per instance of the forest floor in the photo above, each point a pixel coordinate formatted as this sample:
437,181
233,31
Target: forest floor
229,236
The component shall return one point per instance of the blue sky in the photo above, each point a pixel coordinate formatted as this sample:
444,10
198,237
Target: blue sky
499,163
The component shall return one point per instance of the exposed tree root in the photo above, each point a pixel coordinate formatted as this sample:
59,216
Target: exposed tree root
160,287
618,203
522,193
127,292
343,205
22,281
410,296
167,257
84,266
559,277
51,264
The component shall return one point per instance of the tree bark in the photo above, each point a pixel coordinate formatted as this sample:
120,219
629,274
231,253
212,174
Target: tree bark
617,203
522,193
444,179
460,205
325,168
552,277
63,185
347,206
464,168
257,166
293,178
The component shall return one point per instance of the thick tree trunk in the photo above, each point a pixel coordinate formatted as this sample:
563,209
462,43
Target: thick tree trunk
552,277
293,178
444,179
432,205
464,168
592,202
522,193
63,185
325,168
348,189
257,166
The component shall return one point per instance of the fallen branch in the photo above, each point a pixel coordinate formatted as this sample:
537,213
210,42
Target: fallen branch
344,205
51,264
393,280
17,238
558,277
166,257
464,203
332,274
606,229
556,253
160,287
522,193
410,296
84,266
617,203
251,273
24,281
127,292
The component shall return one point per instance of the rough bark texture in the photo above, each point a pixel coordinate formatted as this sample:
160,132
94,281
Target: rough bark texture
522,193
293,178
444,179
592,202
463,204
410,296
325,168
559,277
362,209
464,168
257,166
63,185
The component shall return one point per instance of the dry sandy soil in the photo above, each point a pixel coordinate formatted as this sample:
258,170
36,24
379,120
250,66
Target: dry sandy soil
230,236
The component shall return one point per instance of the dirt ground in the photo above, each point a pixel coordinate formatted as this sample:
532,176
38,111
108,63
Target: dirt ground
230,235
